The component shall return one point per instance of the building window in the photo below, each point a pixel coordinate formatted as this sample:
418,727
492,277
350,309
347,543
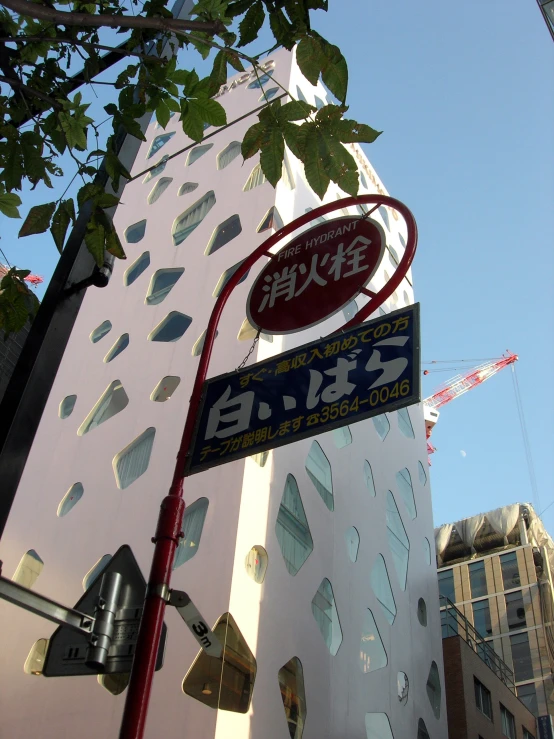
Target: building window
101,331
521,657
372,652
287,178
382,426
226,276
515,610
187,187
223,234
326,615
380,584
527,694
199,343
196,153
510,570
165,388
368,477
350,310
433,687
527,734
158,143
171,328
291,528
71,498
35,659
377,726
398,541
393,256
247,332
271,220
352,543
402,687
446,584
422,612
115,682
404,482
256,564
508,723
159,188
342,437
121,344
256,178
193,525
66,406
161,284
28,569
422,474
427,550
405,424
185,224
384,215
112,401
260,82
95,571
135,233
422,732
268,94
477,579
157,169
260,458
449,623
224,682
483,698
291,684
318,102
482,617
136,269
228,154
300,95
319,472
133,461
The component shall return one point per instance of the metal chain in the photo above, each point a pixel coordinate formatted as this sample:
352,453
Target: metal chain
247,357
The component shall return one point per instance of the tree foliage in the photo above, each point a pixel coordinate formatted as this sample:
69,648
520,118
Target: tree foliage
44,118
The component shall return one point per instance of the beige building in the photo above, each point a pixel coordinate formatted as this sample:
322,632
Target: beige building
496,568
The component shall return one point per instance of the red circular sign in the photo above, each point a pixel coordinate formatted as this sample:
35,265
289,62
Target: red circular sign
315,275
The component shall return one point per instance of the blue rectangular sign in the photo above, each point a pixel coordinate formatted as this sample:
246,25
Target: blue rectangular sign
368,370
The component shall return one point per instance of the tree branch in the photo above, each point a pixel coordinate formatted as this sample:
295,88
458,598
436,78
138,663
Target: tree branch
101,47
86,20
18,85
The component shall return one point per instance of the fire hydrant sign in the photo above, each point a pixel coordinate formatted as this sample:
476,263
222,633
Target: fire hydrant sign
315,275
366,371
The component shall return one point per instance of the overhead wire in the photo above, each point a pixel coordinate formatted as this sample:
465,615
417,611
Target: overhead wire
526,443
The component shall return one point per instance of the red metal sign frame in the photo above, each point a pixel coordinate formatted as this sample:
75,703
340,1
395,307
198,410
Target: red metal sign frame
168,530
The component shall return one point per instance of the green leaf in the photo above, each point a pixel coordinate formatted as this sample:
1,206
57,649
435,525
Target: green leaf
351,132
295,137
8,204
251,24
113,245
95,237
283,31
210,110
310,59
234,60
335,70
38,220
185,78
315,152
218,75
271,157
106,200
90,191
63,216
162,114
191,120
173,105
294,111
74,132
252,140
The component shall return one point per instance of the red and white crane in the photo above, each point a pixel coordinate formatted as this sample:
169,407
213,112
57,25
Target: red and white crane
458,385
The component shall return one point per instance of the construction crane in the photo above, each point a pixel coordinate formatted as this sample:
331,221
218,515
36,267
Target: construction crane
458,385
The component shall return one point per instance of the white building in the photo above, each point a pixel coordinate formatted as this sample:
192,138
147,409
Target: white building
319,550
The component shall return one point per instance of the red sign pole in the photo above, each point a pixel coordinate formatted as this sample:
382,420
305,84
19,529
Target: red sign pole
168,530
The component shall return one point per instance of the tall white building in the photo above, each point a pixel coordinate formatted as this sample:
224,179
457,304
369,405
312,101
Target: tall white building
319,551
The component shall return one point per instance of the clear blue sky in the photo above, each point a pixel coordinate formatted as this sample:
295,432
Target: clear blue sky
464,95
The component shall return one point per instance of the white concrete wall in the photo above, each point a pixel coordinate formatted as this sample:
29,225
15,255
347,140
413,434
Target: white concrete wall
275,617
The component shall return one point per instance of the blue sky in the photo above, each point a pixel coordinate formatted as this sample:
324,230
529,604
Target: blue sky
463,93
